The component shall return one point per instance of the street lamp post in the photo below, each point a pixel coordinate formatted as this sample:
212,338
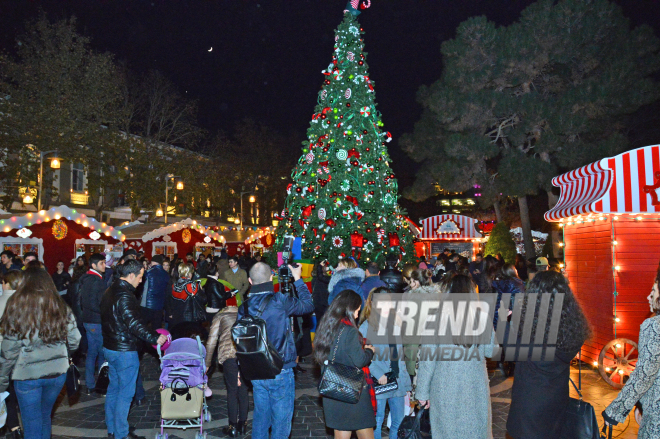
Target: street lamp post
251,199
55,164
178,186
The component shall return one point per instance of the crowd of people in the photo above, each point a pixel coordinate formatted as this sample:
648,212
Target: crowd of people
104,310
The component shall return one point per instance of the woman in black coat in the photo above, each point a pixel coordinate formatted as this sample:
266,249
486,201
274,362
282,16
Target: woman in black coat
339,340
540,391
320,283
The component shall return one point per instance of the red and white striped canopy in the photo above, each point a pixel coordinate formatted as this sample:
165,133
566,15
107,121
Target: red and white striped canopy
449,227
626,183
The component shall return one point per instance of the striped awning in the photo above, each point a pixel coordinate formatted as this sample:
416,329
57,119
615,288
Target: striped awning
626,183
449,227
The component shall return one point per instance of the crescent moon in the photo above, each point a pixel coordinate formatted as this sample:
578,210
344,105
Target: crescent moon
211,49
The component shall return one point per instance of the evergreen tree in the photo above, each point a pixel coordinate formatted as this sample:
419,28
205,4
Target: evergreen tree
343,199
517,105
501,241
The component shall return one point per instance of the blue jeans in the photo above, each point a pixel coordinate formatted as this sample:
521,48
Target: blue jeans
94,352
273,406
123,376
36,399
396,410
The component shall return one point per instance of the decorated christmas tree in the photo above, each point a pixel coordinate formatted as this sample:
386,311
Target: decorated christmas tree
343,199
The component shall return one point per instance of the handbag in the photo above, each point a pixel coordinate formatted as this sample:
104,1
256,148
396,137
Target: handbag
103,381
410,427
341,382
72,377
579,420
392,384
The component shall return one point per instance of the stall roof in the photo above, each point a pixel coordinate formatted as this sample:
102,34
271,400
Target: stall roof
148,232
413,227
10,221
626,183
449,227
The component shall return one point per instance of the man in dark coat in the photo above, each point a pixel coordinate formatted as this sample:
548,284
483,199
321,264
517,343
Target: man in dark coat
156,288
91,287
123,331
274,399
371,281
391,275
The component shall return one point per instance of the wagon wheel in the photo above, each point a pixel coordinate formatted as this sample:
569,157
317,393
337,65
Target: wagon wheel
617,360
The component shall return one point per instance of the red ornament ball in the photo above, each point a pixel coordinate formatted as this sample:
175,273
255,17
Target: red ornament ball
360,62
298,189
348,104
365,131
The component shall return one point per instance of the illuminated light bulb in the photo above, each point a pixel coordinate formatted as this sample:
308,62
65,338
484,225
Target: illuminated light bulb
620,372
57,216
85,224
607,369
617,345
616,217
617,268
596,363
561,265
602,218
561,244
639,218
615,243
616,319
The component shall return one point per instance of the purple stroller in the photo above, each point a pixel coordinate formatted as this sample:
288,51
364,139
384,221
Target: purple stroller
182,383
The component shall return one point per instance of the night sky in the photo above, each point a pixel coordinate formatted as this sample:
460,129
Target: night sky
268,54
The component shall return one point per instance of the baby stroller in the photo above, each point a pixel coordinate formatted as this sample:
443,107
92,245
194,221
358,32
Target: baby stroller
182,384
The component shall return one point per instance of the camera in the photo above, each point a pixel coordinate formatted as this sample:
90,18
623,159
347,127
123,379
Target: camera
284,275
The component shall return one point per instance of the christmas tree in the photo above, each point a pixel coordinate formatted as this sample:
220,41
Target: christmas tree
343,199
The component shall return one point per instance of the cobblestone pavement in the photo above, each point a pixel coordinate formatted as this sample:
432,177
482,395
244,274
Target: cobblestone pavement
85,418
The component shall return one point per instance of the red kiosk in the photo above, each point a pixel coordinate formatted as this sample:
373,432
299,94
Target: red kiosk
178,238
58,234
457,232
610,215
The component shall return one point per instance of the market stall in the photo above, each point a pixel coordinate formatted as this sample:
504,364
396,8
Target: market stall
58,234
260,241
178,238
609,212
455,232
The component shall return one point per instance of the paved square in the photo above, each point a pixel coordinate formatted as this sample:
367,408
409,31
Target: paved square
85,418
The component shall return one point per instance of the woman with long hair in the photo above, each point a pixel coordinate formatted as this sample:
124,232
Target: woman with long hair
541,389
419,282
338,339
185,306
39,332
347,276
442,384
643,386
380,369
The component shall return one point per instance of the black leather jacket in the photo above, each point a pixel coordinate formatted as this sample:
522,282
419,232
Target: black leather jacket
216,294
393,278
122,326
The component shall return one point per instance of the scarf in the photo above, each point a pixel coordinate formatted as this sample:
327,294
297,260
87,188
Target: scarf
365,369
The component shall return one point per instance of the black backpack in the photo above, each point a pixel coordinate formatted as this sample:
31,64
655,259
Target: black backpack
257,358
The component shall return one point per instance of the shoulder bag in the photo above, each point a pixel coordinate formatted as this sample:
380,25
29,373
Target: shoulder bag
579,418
339,381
